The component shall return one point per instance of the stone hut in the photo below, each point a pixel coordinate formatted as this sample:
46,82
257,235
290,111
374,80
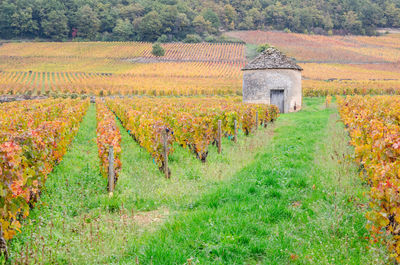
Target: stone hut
273,78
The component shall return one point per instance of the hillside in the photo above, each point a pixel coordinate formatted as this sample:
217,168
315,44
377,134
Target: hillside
192,21
332,65
165,163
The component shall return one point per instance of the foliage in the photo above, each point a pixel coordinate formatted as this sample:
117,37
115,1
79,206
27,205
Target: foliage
331,67
55,25
87,22
34,137
214,68
108,135
374,126
158,50
192,123
292,182
147,20
192,38
262,47
123,30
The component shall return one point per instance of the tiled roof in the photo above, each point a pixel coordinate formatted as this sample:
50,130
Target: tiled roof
272,58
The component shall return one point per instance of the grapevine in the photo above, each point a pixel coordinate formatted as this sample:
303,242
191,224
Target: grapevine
34,137
108,135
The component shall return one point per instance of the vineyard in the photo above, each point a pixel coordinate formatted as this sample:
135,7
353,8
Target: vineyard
121,68
192,123
332,65
124,50
168,138
373,124
164,163
343,65
34,138
146,79
329,49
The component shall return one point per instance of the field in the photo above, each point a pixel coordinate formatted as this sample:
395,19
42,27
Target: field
338,64
166,165
256,201
116,68
332,65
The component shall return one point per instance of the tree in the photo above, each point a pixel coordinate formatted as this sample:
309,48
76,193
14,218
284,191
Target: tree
192,38
6,12
276,15
23,24
149,27
158,50
230,15
200,24
257,17
182,25
87,22
352,23
55,25
108,16
147,20
123,30
213,18
392,14
168,17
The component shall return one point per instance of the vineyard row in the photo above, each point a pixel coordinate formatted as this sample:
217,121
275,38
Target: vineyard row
102,84
156,124
34,137
374,127
175,51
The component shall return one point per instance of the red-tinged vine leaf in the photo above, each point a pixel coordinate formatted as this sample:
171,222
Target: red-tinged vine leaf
294,257
192,123
34,137
373,125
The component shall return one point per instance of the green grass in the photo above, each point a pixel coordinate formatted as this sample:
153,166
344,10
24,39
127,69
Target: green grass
76,221
276,197
288,206
251,51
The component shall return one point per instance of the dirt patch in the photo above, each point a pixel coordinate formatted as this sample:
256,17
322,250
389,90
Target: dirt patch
143,60
149,218
167,59
389,30
6,98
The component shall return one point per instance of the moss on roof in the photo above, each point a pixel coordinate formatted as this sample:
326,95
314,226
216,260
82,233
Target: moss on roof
272,58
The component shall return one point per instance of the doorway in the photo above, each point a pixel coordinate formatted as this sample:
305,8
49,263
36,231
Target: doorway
278,99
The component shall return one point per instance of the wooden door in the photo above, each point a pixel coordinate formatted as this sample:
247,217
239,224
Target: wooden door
278,99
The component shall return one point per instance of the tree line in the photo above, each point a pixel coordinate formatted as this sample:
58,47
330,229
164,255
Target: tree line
188,20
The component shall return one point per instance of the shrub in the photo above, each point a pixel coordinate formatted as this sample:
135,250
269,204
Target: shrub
262,47
163,39
158,50
192,38
211,38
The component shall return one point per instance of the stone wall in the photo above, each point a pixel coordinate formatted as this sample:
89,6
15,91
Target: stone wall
258,83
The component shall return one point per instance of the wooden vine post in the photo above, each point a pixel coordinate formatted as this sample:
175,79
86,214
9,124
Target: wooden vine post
3,244
257,120
111,172
236,131
165,153
219,137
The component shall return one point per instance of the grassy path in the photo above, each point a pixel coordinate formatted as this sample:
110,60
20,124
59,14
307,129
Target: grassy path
76,222
276,197
58,225
288,206
143,187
